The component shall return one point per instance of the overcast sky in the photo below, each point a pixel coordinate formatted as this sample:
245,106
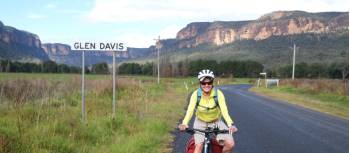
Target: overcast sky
138,22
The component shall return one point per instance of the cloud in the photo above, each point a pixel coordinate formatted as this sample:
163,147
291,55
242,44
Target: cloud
136,39
134,11
170,31
207,10
36,16
60,8
50,6
71,12
172,15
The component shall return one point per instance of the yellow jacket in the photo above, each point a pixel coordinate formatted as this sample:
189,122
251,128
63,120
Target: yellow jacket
208,115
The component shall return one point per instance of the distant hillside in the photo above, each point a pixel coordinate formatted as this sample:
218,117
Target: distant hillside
320,37
20,45
278,23
272,52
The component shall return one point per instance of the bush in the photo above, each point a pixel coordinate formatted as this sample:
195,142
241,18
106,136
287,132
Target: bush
315,70
45,67
100,68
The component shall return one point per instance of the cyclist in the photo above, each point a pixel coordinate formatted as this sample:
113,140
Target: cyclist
209,110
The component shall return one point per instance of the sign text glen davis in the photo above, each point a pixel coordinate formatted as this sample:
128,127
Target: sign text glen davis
99,46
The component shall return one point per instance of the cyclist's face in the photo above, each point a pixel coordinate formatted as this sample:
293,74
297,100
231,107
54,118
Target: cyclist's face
206,85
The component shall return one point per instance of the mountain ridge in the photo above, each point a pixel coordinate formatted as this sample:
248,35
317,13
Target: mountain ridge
205,38
23,46
275,23
20,45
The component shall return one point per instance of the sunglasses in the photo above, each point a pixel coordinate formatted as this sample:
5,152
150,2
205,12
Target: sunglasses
206,83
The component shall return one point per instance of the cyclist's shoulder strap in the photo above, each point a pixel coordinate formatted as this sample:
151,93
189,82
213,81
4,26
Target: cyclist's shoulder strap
199,96
216,99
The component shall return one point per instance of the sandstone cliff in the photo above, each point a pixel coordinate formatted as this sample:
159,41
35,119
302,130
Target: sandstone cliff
56,49
273,24
20,45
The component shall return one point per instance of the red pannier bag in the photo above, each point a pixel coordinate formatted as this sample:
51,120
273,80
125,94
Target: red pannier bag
215,147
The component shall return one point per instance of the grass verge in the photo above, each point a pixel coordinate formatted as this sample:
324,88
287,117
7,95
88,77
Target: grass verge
41,114
312,94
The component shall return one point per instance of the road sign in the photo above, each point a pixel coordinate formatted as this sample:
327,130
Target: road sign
99,46
102,47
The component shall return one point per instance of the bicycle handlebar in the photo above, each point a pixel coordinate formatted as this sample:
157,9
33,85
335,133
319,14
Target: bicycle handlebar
208,131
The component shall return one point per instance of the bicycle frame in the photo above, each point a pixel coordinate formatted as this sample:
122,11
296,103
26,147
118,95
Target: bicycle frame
207,136
206,144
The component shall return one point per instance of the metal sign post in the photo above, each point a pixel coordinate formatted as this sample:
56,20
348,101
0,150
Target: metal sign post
113,101
83,87
101,47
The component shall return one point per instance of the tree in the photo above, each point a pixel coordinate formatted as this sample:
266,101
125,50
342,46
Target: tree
301,70
8,66
285,71
62,68
130,68
253,69
147,69
100,68
317,70
338,70
196,66
50,67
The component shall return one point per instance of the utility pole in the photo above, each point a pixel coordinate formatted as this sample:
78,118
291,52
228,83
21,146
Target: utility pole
158,48
293,62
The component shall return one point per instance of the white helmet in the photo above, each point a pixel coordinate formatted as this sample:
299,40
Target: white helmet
204,74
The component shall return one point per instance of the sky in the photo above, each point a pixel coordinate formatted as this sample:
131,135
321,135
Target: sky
138,22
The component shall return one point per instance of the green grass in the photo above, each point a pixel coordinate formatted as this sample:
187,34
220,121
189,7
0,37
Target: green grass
330,103
47,76
50,121
50,76
146,113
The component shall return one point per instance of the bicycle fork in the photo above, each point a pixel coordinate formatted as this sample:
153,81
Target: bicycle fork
206,145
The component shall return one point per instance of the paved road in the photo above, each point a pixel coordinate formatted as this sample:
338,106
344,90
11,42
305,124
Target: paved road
270,126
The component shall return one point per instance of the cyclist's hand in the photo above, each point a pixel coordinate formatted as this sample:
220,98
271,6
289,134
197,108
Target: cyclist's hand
182,127
233,129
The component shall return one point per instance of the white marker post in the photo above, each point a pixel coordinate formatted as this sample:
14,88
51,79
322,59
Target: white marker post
99,47
264,74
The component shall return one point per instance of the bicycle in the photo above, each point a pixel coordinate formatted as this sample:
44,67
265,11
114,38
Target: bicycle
210,144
